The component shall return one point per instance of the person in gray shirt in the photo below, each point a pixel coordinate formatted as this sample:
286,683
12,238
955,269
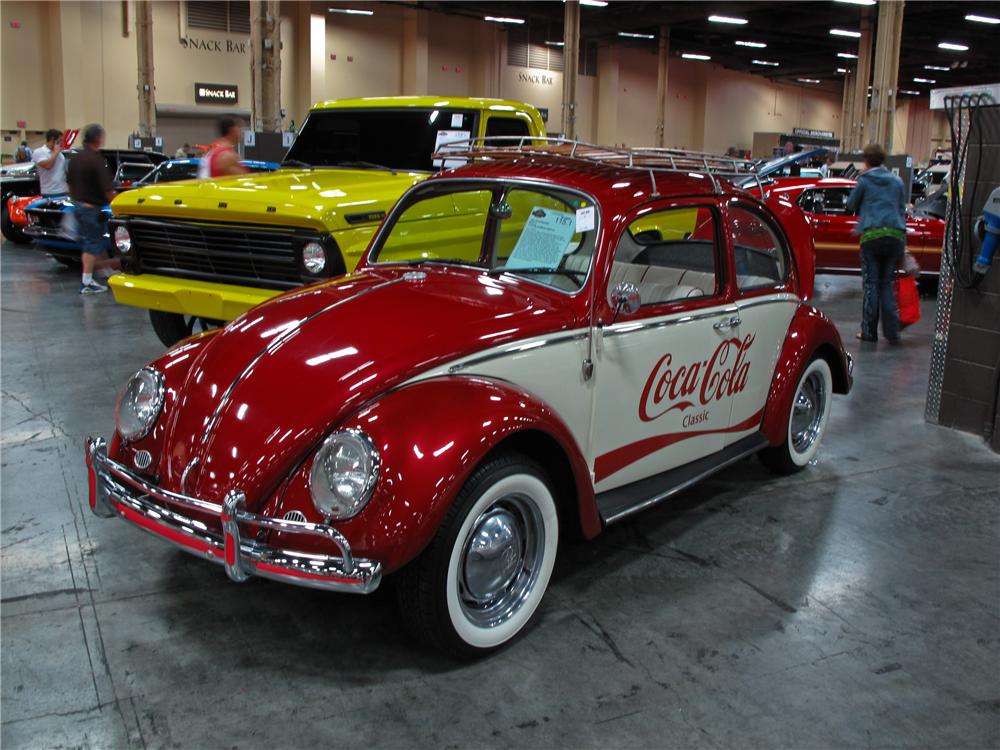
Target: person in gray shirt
51,165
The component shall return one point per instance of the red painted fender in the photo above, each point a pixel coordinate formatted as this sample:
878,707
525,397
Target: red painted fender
431,435
800,236
809,334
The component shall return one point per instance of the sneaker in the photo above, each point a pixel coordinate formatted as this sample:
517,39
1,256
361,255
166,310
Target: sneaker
92,288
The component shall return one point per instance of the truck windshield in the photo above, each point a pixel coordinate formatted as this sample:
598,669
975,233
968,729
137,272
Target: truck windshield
401,139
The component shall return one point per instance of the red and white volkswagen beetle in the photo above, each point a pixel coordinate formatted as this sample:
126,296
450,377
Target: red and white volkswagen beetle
535,344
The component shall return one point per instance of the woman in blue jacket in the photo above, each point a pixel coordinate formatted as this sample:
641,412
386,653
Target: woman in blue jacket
880,203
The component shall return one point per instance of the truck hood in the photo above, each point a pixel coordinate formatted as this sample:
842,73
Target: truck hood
266,389
309,198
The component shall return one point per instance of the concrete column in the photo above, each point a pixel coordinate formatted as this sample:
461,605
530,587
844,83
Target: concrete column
144,50
571,53
265,73
886,76
855,132
415,57
846,107
662,74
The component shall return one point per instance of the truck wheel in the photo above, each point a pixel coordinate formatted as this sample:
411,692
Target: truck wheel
173,327
807,420
480,580
10,230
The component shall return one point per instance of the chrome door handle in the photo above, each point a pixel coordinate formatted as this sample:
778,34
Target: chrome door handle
725,324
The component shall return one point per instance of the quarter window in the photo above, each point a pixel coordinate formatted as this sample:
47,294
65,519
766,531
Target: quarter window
761,258
670,255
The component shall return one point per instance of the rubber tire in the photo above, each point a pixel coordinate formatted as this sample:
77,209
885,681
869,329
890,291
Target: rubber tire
172,327
422,586
784,459
10,231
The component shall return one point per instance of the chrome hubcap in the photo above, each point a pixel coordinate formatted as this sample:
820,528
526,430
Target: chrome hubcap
807,412
501,557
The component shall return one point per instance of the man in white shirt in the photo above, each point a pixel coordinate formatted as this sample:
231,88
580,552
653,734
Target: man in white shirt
51,165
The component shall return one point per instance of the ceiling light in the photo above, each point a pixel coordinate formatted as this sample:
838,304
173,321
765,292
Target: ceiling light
953,46
693,56
633,35
846,32
856,2
502,19
910,92
841,70
807,80
982,19
936,67
728,19
924,80
594,3
351,11
555,44
847,56
765,62
758,45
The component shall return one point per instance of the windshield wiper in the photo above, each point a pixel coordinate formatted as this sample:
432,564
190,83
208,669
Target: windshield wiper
576,275
445,261
296,163
365,165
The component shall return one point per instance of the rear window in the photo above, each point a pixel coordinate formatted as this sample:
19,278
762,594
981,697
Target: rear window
761,258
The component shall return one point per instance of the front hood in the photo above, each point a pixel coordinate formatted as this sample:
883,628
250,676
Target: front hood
316,199
268,387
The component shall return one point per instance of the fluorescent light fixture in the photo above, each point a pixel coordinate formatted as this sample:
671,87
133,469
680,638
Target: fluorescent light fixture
846,32
728,19
758,45
982,19
633,35
503,19
841,70
910,92
924,80
953,46
693,56
847,56
856,2
555,44
765,62
594,3
807,80
351,11
936,67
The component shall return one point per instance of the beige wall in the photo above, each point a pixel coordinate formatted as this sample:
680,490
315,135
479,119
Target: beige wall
70,63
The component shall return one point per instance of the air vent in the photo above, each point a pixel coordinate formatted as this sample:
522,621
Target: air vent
142,459
295,515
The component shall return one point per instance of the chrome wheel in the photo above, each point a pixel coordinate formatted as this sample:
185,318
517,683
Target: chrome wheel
501,559
808,412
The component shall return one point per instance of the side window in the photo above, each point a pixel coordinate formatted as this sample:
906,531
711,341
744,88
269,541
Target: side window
835,201
670,255
509,126
811,202
761,258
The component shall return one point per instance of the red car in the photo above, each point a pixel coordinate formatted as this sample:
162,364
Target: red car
824,202
534,346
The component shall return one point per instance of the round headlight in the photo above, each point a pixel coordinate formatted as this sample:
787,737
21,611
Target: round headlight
140,404
343,474
123,241
314,257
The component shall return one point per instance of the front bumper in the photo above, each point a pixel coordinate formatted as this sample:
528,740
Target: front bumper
203,299
115,489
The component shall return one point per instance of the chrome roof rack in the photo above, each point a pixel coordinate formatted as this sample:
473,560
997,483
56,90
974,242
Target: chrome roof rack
649,160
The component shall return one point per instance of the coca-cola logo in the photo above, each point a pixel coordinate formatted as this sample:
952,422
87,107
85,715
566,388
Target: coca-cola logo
722,375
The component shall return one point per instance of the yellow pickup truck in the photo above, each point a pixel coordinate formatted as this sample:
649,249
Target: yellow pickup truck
197,253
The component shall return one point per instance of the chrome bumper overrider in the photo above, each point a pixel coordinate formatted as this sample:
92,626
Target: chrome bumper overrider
115,490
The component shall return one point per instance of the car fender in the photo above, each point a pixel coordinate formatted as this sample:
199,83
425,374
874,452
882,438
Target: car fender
800,237
810,333
431,435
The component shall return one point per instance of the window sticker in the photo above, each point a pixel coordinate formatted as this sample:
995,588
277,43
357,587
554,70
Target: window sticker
444,137
457,120
543,240
585,219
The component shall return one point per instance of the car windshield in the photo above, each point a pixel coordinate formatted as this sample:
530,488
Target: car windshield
545,234
402,139
173,171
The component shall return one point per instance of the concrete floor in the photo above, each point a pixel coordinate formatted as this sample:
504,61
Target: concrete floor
855,604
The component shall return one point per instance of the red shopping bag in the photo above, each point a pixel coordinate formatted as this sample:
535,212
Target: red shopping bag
908,299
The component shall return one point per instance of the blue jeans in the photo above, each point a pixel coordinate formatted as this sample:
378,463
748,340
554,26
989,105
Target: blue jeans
879,260
90,230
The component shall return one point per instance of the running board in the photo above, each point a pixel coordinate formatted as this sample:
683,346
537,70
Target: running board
621,502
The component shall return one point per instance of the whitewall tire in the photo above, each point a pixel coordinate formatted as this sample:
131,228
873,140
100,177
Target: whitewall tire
806,421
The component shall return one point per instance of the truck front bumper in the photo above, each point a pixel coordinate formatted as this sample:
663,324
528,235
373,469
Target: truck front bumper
203,299
116,490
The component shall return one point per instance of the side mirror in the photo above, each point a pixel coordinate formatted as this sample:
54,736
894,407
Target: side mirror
625,296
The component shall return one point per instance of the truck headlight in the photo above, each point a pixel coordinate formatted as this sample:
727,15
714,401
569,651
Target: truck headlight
314,257
140,404
343,474
123,241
